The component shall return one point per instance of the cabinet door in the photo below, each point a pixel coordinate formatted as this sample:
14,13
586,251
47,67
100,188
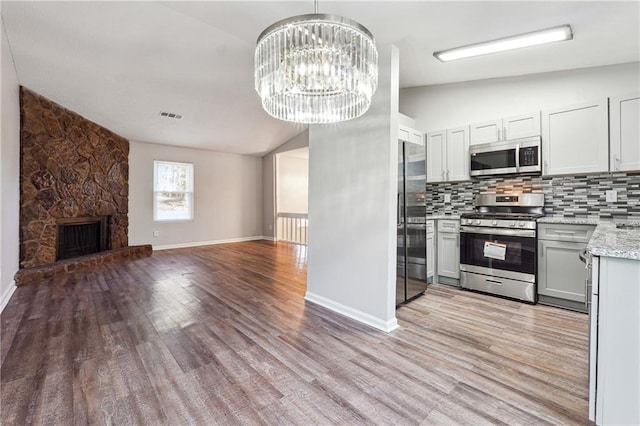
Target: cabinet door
458,154
416,137
436,156
561,274
625,132
404,134
449,255
521,126
430,256
488,131
575,139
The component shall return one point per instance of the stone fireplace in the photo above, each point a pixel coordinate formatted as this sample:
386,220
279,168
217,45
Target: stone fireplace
73,175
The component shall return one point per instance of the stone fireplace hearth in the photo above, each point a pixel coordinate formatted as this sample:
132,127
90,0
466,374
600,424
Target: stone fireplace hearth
72,171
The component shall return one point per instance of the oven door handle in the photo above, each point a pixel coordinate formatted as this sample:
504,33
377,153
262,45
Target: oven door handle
498,231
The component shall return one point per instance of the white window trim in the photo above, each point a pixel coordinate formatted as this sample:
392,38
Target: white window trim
155,182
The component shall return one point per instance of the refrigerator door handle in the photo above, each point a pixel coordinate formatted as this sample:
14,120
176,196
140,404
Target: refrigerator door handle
399,218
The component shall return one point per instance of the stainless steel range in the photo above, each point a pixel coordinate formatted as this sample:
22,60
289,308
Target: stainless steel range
498,245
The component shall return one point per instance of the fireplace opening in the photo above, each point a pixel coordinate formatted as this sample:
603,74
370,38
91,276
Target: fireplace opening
82,236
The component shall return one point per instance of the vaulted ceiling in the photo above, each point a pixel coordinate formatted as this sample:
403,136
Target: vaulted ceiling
121,63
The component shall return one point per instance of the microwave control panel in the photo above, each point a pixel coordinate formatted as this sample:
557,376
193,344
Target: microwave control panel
529,156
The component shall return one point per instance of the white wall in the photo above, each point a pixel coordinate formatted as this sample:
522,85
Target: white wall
352,192
293,184
268,181
227,197
9,174
450,105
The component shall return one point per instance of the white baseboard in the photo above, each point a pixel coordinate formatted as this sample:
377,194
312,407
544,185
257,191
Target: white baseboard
268,238
355,314
4,299
207,243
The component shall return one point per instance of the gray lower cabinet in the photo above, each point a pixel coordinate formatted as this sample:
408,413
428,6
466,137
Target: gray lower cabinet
430,251
561,274
449,249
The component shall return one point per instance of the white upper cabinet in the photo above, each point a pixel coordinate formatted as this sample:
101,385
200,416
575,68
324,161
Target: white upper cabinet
458,154
488,131
575,139
436,156
408,134
403,133
519,126
625,132
448,155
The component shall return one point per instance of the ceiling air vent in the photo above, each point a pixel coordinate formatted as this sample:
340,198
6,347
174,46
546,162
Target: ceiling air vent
170,115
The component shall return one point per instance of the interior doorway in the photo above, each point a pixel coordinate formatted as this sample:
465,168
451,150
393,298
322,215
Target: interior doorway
292,194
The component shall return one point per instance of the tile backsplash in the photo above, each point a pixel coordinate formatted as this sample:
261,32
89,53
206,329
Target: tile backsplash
569,196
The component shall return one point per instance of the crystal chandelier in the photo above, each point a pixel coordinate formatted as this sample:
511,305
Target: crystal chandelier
316,69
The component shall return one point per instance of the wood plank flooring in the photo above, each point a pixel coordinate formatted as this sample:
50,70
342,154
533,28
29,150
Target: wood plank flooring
222,335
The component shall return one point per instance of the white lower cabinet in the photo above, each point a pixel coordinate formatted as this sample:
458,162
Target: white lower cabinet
614,357
449,249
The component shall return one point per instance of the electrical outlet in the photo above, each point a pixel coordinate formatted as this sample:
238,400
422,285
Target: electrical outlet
612,196
447,198
156,233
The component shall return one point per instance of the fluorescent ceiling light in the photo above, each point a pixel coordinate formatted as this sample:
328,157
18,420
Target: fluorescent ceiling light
508,43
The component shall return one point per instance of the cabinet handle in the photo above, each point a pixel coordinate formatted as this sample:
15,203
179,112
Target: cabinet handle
616,159
447,174
504,133
587,294
546,166
499,134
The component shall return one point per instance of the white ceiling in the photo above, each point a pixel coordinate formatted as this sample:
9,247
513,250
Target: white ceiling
121,63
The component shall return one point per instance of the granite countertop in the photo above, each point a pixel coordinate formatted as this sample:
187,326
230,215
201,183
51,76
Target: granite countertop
609,241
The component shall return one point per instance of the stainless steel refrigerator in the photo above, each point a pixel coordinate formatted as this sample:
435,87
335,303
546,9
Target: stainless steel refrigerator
412,228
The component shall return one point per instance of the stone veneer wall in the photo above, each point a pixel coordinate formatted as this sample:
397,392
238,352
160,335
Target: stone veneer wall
70,167
569,196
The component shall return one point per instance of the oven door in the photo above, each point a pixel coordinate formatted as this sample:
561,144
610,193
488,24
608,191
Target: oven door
508,253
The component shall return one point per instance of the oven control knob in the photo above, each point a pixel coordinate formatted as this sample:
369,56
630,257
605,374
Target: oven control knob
521,223
478,222
494,222
512,223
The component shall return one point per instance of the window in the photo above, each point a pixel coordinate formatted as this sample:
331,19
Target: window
172,191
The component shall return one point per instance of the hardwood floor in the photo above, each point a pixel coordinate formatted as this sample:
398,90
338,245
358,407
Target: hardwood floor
222,335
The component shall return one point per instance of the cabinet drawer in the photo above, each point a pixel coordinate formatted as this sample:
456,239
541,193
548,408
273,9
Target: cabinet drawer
569,233
449,226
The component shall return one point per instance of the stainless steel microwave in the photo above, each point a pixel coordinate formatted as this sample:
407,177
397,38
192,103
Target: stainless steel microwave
506,157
